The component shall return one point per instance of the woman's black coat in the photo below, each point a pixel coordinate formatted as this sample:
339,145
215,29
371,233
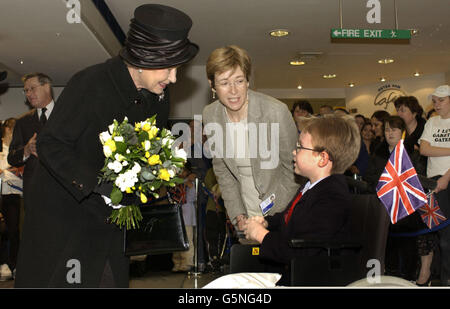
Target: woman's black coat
66,223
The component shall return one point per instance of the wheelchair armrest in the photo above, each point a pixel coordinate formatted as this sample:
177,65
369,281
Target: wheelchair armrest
325,244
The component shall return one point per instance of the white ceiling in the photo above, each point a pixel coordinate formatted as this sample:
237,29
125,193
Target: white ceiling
37,32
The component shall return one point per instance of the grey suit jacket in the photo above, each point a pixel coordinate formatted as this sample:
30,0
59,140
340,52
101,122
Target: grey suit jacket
279,179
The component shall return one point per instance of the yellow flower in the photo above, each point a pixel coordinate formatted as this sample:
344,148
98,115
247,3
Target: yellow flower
146,127
137,126
154,159
152,132
164,174
111,144
128,190
143,198
147,154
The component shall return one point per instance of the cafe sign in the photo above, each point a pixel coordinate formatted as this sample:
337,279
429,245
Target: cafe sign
387,94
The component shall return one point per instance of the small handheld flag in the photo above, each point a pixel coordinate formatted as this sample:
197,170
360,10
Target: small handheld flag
399,188
431,213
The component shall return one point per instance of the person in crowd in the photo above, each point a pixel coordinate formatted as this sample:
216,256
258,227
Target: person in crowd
435,144
200,161
300,110
401,252
377,120
341,111
325,109
11,191
216,220
250,185
360,120
68,225
367,135
320,209
22,150
183,261
409,109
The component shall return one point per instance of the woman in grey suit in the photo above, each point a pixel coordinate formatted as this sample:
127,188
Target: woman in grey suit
251,137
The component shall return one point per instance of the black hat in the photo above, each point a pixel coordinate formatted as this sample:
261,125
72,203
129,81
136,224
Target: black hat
158,38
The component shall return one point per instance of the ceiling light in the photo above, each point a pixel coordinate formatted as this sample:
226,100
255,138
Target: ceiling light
279,32
299,87
417,74
414,31
382,79
297,62
351,85
386,61
328,76
21,61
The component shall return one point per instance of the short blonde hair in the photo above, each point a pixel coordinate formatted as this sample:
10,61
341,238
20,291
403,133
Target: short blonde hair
337,136
228,58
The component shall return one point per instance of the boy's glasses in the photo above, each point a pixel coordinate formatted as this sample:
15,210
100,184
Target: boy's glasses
300,147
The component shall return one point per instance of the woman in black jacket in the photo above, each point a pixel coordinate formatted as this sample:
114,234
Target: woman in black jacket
67,241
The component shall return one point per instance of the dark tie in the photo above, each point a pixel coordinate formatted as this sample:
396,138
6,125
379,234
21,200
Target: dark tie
43,118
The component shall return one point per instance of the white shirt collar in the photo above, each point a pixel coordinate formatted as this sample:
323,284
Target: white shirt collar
49,110
308,185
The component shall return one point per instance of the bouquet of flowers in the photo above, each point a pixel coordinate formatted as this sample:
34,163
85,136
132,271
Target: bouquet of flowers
139,160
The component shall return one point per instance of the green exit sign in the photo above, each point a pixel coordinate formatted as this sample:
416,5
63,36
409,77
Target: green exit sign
385,34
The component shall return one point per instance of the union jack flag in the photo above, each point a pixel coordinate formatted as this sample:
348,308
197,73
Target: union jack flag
431,213
399,188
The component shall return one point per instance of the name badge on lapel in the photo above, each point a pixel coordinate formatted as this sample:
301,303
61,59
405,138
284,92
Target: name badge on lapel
267,204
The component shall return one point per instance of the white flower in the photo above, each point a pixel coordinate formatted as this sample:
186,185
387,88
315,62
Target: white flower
118,138
147,145
136,168
119,157
126,180
107,151
171,172
167,141
125,163
180,153
115,166
128,151
104,136
111,128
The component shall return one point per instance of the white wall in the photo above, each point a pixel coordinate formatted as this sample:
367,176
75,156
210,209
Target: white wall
12,102
363,97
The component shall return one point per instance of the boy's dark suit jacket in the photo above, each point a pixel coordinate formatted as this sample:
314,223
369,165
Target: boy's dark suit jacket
321,213
24,130
66,224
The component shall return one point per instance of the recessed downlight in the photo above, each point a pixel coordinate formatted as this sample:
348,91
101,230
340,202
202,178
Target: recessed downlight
279,32
328,76
296,62
385,61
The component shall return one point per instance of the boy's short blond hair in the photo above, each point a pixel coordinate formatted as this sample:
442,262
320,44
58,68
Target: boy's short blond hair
337,136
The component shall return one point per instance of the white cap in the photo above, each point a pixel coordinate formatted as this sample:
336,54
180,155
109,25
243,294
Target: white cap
441,92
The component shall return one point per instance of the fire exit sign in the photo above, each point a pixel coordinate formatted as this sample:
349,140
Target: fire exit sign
385,34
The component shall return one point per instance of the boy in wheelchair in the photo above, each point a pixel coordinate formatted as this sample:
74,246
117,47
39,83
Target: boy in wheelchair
320,209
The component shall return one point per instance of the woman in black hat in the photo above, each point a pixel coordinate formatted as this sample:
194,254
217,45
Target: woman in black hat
66,239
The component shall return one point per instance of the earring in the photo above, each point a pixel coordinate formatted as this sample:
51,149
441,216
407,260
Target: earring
140,70
213,93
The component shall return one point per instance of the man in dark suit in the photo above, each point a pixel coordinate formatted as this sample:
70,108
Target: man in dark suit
320,209
22,150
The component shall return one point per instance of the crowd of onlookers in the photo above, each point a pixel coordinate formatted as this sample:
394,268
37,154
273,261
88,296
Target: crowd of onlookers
416,255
